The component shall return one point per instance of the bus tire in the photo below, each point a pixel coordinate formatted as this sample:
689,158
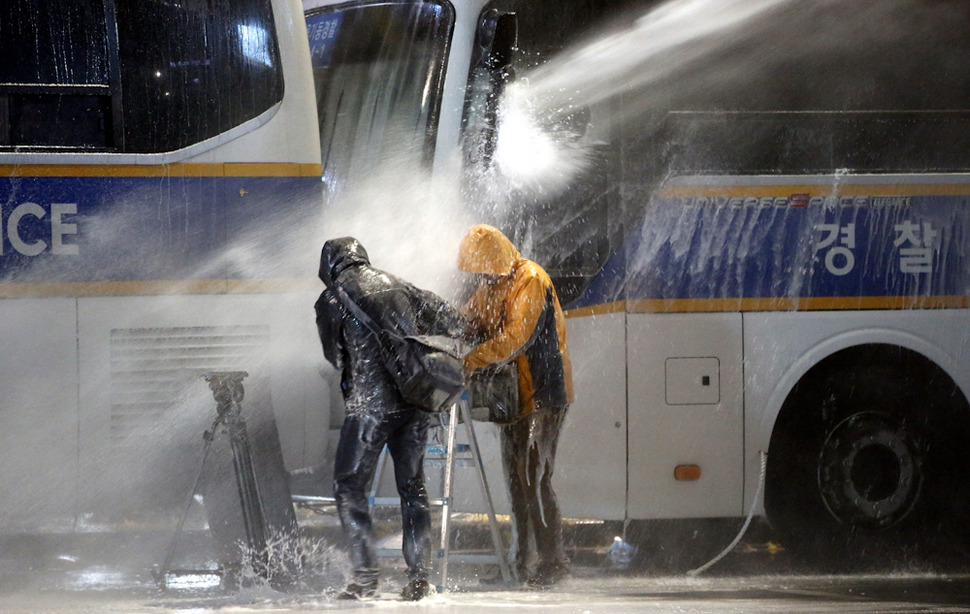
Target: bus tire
865,465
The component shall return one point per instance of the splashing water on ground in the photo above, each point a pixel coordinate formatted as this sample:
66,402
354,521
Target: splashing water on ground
297,563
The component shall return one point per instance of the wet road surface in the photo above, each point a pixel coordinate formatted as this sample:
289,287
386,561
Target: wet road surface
581,593
112,571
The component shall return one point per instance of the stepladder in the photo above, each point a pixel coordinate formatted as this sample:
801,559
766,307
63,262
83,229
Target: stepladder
450,455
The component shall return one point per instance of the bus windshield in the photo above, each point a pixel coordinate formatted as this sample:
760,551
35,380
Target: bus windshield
378,71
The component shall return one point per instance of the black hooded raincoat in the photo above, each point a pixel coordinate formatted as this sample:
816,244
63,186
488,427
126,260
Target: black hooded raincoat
376,412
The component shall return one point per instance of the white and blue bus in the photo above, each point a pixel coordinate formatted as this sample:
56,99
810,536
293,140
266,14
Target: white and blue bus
155,158
759,240
759,237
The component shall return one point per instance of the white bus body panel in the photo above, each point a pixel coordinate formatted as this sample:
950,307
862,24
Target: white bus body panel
59,458
447,159
289,362
38,413
780,347
590,478
686,408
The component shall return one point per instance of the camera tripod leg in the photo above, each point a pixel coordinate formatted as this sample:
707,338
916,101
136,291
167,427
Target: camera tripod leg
160,575
248,487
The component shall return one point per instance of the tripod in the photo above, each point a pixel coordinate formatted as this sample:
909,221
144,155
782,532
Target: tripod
228,392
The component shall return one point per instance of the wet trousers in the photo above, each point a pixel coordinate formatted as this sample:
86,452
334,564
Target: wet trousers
529,458
362,438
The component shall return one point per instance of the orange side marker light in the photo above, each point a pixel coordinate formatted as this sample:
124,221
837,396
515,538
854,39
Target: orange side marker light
687,473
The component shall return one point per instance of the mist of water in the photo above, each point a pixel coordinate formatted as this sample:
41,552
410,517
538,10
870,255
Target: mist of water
410,225
714,55
665,41
547,135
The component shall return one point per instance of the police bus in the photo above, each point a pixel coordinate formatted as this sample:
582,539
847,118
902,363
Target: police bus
758,230
151,156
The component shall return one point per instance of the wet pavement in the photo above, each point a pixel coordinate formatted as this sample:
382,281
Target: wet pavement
581,595
112,571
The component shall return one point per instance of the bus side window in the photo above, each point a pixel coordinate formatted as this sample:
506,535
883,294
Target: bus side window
135,77
55,73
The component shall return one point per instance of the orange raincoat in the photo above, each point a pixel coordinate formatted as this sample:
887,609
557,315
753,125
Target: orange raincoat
518,312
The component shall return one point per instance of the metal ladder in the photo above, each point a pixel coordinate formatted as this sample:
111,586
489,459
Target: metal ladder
453,454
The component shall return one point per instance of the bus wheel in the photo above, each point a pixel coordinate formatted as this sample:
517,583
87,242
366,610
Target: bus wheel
865,467
870,471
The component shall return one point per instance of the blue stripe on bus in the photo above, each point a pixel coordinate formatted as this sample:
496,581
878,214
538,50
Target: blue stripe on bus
133,228
692,249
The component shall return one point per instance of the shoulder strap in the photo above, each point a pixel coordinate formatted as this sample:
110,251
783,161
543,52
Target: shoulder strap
360,314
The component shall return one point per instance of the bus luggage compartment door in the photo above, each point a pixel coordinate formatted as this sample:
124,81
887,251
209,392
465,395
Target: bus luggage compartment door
685,413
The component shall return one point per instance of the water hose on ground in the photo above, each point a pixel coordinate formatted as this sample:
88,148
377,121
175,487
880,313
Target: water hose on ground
747,521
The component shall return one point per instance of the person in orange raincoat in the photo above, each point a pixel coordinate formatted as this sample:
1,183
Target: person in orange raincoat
516,311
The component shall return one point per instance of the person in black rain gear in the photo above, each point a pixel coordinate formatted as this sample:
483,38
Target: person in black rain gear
376,412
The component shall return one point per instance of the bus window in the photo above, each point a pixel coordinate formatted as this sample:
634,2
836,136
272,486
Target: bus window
378,71
179,58
133,77
55,73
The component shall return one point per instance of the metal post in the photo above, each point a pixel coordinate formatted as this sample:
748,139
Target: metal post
376,481
446,497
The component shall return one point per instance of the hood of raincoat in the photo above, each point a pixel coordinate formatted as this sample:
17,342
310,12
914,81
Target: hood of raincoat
340,254
484,249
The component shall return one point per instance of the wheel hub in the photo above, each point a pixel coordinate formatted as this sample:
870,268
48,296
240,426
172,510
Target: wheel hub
870,471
